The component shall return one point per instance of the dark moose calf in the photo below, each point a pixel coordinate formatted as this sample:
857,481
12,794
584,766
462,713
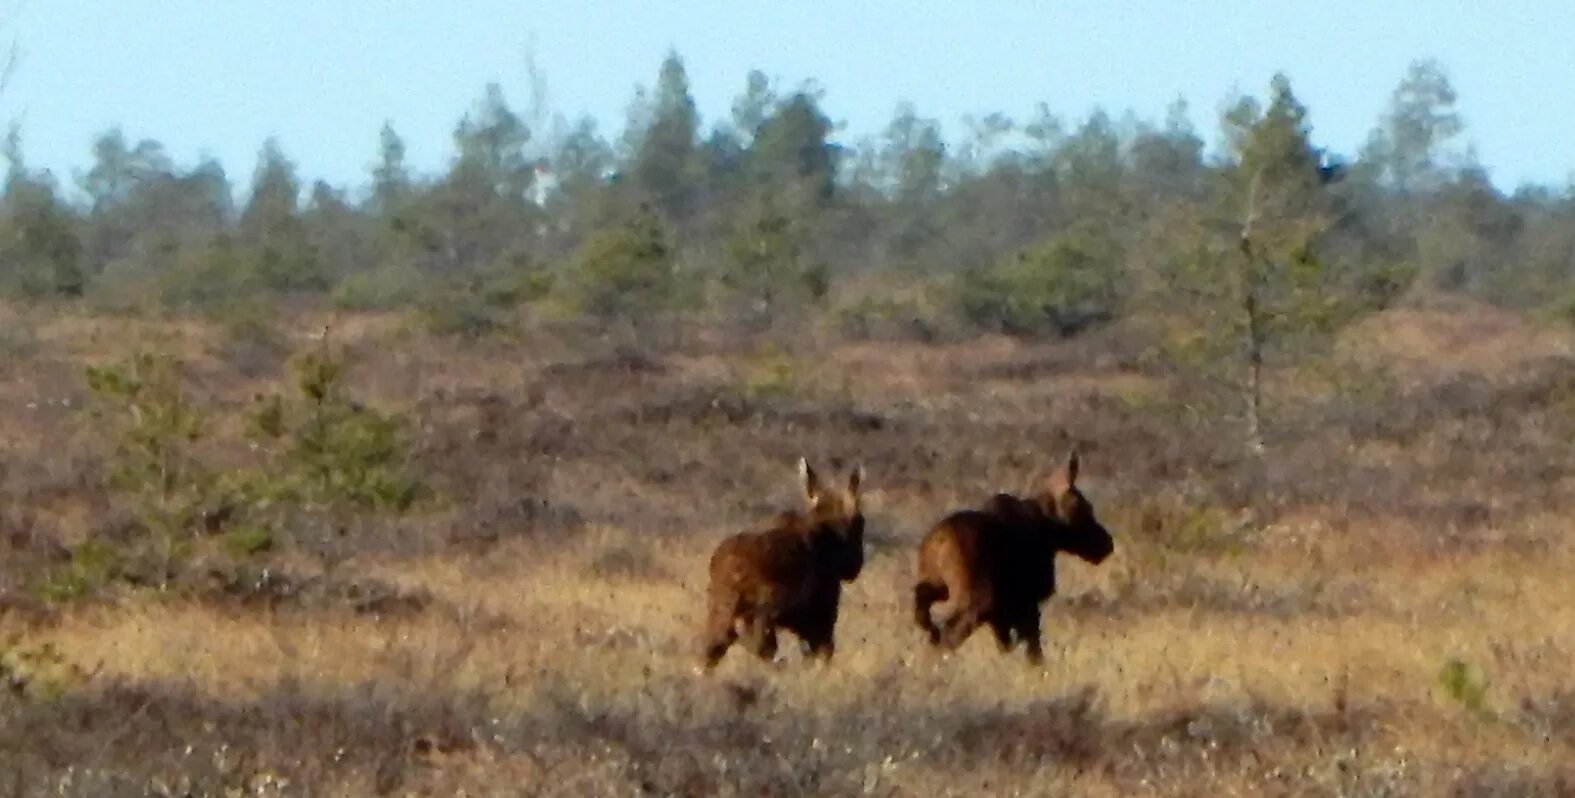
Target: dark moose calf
996,564
788,575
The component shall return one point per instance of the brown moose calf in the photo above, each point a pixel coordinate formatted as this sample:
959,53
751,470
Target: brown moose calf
788,575
996,564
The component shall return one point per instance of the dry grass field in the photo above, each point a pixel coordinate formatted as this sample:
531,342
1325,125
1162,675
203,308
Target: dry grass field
1382,606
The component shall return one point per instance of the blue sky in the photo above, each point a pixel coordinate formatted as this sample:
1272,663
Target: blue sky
218,76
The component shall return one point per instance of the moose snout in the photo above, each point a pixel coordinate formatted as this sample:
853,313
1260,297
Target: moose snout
1099,546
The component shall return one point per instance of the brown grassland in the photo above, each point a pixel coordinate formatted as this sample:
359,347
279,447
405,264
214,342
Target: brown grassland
1383,605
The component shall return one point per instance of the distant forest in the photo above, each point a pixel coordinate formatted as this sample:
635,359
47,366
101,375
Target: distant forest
1032,227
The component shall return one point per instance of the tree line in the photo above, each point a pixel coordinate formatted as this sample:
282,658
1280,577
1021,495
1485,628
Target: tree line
1038,226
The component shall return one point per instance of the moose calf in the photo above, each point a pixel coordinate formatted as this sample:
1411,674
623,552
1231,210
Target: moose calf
997,564
788,575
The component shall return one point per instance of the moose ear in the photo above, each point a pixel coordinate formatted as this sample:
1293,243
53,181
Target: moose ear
855,479
1064,478
809,480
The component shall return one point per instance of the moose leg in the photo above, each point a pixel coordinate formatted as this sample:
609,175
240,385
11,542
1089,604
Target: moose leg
761,636
972,607
1027,625
817,641
959,627
817,623
924,596
1002,626
721,631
